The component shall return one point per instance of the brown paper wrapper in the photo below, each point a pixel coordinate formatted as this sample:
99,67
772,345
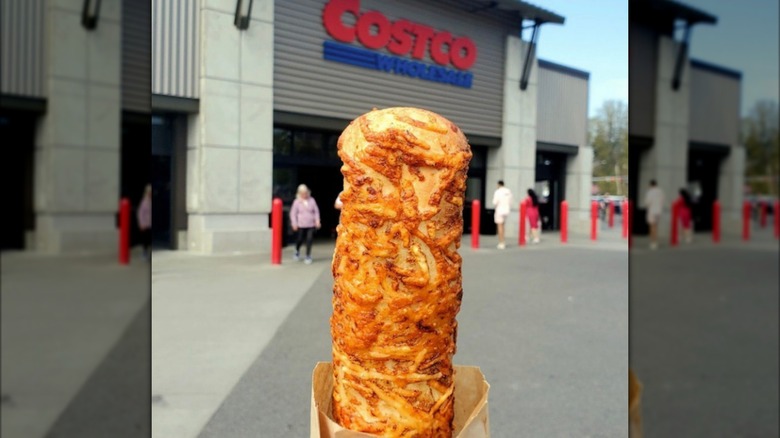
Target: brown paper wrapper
634,406
471,405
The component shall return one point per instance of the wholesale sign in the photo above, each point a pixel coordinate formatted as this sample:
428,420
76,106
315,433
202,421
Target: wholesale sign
407,41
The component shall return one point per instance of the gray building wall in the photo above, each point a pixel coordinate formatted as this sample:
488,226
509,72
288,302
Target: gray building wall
642,72
136,55
22,48
714,109
562,108
305,83
175,47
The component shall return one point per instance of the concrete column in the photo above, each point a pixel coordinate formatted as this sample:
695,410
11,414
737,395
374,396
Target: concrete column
515,161
731,186
77,152
579,177
667,160
230,142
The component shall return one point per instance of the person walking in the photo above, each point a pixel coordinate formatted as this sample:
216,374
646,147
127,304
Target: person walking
686,207
144,216
502,201
304,218
532,213
654,203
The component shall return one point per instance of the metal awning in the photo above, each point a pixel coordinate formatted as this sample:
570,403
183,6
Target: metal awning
666,12
523,10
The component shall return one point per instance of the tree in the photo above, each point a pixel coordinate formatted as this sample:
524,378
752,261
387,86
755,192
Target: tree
608,134
760,135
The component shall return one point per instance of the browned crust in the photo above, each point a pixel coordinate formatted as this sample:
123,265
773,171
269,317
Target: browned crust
397,273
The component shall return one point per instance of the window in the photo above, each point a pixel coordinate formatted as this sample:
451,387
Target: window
308,143
282,142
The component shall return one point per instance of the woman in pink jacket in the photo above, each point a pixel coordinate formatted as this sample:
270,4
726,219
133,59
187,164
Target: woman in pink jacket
145,221
304,218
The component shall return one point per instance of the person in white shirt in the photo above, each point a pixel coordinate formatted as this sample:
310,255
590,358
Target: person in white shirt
502,200
654,203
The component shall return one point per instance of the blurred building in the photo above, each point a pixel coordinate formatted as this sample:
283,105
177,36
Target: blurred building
683,117
74,119
248,99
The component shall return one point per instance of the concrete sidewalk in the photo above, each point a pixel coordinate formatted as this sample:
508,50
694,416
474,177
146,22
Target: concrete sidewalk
75,333
235,339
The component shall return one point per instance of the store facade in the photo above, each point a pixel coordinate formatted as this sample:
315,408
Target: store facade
74,113
683,119
248,114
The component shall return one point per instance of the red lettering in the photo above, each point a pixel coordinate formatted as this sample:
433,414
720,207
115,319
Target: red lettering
401,43
462,60
331,18
424,34
438,56
364,25
375,31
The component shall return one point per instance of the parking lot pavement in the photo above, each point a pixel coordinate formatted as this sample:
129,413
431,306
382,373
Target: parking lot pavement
75,334
704,337
547,324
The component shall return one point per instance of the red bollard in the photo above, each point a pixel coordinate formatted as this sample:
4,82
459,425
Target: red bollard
521,237
716,221
475,211
276,232
675,221
746,220
624,218
776,213
124,231
594,219
762,212
564,221
611,220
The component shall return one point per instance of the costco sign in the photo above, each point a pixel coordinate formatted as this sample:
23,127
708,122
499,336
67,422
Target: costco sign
408,42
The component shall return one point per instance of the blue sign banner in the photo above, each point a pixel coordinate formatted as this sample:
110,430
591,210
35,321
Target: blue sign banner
346,54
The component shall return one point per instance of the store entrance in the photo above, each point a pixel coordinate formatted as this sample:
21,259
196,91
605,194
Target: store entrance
162,169
550,186
17,130
638,149
308,156
134,170
703,172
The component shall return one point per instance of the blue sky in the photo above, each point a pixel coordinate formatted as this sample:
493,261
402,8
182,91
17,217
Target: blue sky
744,39
594,38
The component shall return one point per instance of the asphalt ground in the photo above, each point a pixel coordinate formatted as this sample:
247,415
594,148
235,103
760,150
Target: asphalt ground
704,337
547,324
75,346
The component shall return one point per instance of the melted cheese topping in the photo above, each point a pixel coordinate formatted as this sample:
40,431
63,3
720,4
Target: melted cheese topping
397,273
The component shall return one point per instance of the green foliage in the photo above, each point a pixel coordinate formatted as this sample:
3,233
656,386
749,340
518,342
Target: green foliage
760,136
608,134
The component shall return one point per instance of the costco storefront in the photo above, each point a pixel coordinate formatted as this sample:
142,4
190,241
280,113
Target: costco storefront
261,110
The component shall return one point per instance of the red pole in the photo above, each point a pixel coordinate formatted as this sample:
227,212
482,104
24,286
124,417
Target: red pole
594,219
124,231
675,221
276,232
746,220
624,218
716,221
777,219
611,214
564,221
521,237
763,213
475,212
